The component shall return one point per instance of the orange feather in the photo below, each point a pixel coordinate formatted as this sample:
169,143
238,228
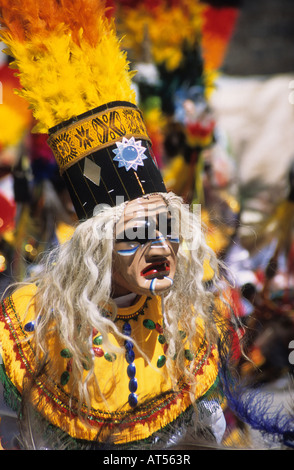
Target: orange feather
32,18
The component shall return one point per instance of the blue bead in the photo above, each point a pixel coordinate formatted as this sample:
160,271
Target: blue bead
127,329
29,326
131,371
133,400
133,385
128,345
130,356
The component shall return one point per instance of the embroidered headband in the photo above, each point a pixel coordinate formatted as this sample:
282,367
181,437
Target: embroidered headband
94,132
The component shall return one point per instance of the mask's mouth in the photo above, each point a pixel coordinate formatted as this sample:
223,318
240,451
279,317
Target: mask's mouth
157,269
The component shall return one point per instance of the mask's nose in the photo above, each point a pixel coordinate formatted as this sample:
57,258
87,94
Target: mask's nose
158,246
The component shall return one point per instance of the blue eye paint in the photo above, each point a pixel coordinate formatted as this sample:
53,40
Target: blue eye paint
129,252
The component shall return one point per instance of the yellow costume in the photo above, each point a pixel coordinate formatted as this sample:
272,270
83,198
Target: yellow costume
158,405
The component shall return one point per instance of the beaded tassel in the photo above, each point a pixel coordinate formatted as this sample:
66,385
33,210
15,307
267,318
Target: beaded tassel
131,369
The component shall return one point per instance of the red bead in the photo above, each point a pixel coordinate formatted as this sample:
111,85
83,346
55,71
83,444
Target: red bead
98,352
159,328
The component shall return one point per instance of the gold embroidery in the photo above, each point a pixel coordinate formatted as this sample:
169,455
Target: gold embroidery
95,132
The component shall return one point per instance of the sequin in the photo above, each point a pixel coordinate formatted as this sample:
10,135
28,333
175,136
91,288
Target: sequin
98,340
130,356
149,324
133,385
131,371
98,352
161,361
110,357
161,339
64,378
188,354
126,329
128,345
133,400
66,353
29,327
159,328
86,365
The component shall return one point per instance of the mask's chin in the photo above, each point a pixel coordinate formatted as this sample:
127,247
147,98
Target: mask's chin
159,286
156,285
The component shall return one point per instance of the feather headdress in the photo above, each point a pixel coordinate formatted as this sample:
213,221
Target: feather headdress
64,50
78,82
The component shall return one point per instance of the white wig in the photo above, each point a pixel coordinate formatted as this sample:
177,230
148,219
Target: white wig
75,286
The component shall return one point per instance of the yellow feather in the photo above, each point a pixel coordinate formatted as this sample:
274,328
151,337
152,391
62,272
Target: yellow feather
64,73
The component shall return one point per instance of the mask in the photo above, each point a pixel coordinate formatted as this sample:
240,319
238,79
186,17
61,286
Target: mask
145,248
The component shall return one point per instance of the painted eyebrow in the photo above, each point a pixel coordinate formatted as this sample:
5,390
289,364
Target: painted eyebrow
122,235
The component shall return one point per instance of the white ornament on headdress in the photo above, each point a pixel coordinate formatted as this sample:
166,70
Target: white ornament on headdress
129,153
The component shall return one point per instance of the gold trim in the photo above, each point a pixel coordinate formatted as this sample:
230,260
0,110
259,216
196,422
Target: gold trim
74,142
139,182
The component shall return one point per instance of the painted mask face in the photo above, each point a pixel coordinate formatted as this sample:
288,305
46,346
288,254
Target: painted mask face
145,249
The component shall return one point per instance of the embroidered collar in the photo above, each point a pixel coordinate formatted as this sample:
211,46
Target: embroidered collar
133,312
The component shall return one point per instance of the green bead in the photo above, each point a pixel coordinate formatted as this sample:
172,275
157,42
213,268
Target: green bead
66,353
161,339
161,361
98,340
86,365
188,354
182,334
149,324
64,378
110,357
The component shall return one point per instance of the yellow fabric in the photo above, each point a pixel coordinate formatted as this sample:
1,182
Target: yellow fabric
52,399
